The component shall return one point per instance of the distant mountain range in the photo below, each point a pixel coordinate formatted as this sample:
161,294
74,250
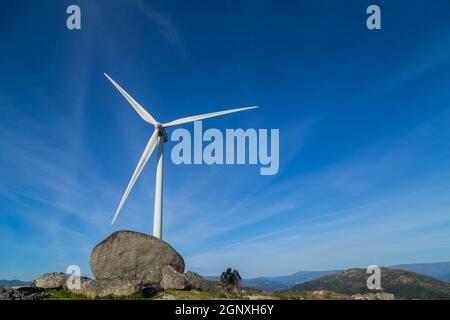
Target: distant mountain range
438,270
284,282
403,284
13,283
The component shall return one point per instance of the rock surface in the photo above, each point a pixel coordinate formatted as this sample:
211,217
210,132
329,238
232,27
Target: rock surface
172,279
108,288
134,256
22,293
56,280
52,280
374,296
195,280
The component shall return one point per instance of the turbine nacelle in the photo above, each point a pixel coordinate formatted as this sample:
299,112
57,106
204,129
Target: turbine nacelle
160,131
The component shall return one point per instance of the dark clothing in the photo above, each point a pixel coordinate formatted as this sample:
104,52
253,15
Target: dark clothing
237,279
231,278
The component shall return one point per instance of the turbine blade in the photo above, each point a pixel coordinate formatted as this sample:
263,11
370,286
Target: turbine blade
203,116
139,109
145,156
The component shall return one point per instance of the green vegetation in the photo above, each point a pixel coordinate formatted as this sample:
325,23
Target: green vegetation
189,295
67,295
202,295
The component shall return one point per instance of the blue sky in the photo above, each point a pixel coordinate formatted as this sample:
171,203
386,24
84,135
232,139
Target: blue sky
363,118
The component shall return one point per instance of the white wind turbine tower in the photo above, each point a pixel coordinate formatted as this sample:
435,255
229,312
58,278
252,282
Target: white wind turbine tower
159,137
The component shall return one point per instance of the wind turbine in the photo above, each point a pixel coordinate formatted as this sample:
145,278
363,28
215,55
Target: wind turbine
159,137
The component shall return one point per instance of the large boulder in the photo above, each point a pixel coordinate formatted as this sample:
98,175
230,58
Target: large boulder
171,279
52,280
134,256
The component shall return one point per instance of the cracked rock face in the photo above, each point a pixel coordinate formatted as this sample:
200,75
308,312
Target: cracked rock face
107,288
134,256
52,280
172,279
55,280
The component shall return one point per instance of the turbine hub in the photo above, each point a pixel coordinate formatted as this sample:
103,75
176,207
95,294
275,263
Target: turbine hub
162,132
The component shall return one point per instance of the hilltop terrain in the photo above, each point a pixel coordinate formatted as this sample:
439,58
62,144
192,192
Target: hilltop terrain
437,270
403,284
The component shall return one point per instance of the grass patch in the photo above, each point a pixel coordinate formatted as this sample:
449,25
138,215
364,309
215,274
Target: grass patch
192,295
66,295
202,295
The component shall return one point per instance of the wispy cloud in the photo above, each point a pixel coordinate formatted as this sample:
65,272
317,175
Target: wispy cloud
165,25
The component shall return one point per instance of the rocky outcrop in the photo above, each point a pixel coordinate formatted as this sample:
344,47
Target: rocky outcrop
135,257
102,288
195,280
56,280
108,288
22,293
171,279
374,296
125,263
52,280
